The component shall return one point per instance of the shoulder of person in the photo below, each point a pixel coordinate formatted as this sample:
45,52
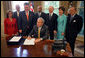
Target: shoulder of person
36,13
55,14
47,13
21,12
65,16
31,12
14,18
6,18
68,15
78,16
45,26
43,12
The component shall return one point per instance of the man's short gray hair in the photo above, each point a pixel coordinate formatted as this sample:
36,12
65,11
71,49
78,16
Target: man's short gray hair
40,18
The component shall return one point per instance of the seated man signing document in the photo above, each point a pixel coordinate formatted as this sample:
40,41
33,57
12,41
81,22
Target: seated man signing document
39,31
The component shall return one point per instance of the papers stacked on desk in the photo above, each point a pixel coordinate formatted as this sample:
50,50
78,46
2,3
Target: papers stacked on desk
15,39
29,42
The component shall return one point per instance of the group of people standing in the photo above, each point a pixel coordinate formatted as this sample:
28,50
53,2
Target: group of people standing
22,22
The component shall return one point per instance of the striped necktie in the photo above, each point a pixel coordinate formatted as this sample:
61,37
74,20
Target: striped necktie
49,16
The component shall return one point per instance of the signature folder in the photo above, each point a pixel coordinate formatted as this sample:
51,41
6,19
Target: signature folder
15,40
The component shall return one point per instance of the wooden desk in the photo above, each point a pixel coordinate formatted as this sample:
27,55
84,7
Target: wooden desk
41,49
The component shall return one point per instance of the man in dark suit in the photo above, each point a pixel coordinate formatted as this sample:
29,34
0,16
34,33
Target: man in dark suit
16,15
51,22
39,31
27,20
39,13
73,27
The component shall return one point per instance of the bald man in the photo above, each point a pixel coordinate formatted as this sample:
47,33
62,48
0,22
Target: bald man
39,13
73,27
51,22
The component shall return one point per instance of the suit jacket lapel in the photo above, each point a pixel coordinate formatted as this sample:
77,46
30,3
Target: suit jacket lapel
16,13
52,16
70,21
37,15
25,16
73,18
42,28
37,29
29,16
41,14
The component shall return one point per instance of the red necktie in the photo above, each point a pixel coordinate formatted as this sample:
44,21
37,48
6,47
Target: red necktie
27,16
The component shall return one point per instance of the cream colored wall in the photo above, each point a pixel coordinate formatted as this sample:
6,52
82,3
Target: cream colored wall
2,20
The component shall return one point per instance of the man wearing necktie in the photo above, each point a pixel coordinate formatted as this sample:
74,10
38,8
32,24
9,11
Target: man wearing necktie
39,13
27,20
73,27
27,16
49,16
71,18
51,22
39,31
16,14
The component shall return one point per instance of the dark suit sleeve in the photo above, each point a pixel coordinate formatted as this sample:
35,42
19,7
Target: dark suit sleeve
20,21
56,22
46,34
80,24
66,25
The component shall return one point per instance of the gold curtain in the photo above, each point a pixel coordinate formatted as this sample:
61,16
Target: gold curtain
36,3
7,5
66,5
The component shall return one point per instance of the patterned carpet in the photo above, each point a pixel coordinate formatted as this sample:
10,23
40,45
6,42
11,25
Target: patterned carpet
79,49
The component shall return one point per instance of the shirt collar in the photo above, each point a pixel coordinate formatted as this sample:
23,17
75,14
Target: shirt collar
73,15
18,11
40,27
28,12
39,13
61,15
51,13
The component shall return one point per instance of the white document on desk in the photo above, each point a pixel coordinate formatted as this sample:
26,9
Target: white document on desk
29,42
15,39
